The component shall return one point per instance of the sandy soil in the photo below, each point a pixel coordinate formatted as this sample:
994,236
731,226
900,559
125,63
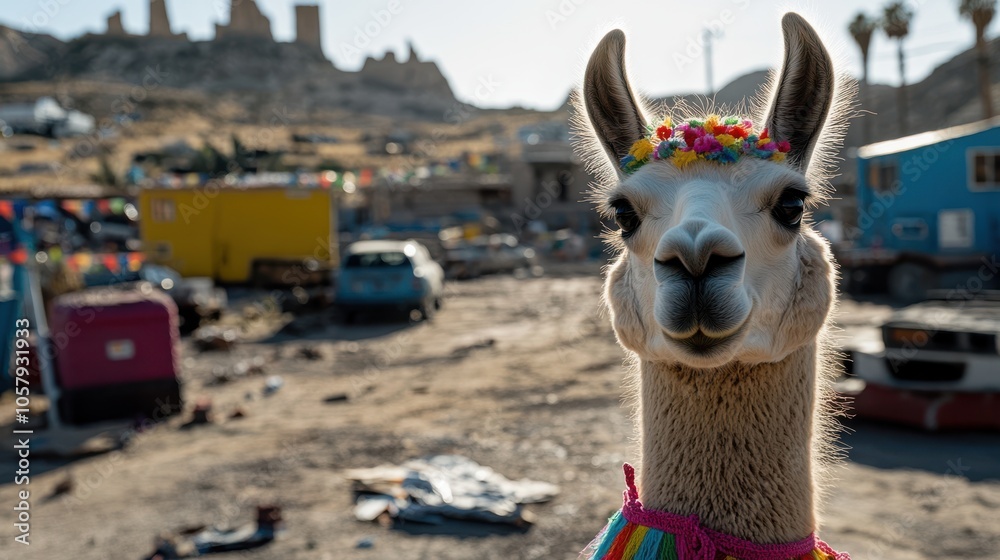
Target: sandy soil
541,401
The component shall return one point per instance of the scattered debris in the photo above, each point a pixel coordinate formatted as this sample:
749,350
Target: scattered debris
237,413
466,350
440,488
366,542
273,384
336,398
64,486
214,338
197,541
310,353
243,368
202,413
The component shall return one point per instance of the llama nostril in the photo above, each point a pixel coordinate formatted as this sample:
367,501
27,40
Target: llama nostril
719,263
674,266
716,264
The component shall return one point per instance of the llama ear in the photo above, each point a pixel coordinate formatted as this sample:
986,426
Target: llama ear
612,108
803,92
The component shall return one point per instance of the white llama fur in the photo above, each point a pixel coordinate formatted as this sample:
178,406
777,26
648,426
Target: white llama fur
776,361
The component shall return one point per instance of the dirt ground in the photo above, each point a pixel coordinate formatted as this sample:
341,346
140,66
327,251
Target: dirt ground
522,375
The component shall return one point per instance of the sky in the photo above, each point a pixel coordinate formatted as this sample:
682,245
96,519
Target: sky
532,52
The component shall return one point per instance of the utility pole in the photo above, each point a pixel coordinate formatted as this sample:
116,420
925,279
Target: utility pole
708,35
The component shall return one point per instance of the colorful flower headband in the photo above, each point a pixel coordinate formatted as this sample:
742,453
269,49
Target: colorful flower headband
714,139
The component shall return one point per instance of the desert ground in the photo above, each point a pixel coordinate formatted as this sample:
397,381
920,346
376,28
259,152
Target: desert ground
522,375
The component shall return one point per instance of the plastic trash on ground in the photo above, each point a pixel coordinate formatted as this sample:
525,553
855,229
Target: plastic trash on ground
439,488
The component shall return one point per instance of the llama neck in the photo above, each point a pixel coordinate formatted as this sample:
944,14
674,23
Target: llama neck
732,445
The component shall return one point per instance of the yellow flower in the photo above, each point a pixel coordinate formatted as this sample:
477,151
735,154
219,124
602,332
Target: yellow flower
682,158
778,157
642,149
711,122
726,140
668,123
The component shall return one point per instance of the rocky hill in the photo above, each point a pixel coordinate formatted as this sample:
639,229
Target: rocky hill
294,78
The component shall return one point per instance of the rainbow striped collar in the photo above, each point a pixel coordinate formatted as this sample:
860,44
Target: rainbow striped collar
636,533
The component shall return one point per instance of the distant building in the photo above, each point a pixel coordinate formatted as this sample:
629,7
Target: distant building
414,74
245,20
159,21
115,28
551,181
307,26
928,212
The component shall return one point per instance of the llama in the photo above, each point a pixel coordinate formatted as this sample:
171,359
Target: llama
721,295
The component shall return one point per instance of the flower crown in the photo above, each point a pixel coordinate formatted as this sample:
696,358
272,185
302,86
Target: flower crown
714,139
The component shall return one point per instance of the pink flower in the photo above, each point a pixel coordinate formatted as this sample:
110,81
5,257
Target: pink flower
706,144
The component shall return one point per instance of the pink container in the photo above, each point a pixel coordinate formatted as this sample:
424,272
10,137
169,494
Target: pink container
109,336
116,354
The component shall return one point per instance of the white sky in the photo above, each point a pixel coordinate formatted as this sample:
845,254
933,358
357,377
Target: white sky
533,50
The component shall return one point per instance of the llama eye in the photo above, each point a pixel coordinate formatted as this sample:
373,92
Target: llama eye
625,217
788,210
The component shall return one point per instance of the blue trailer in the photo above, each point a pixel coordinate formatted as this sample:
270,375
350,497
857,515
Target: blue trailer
928,214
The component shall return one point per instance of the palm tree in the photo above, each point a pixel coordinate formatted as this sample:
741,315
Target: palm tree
980,13
896,19
861,28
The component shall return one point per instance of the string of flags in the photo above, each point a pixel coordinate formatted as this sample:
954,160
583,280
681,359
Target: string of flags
83,262
87,262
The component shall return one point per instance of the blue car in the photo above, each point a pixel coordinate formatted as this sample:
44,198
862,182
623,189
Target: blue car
389,276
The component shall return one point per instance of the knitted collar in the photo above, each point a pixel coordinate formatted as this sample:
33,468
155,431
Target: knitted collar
637,533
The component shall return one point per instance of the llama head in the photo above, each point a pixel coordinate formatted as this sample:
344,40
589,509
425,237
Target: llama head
716,263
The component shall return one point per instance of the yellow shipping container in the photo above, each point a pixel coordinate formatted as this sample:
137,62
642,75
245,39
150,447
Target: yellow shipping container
272,235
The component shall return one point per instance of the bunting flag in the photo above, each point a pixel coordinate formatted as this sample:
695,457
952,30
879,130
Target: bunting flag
74,207
19,255
84,260
117,205
365,177
111,263
135,261
7,210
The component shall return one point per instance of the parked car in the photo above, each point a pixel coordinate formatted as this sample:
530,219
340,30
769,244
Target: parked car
951,343
938,368
389,275
488,255
196,298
